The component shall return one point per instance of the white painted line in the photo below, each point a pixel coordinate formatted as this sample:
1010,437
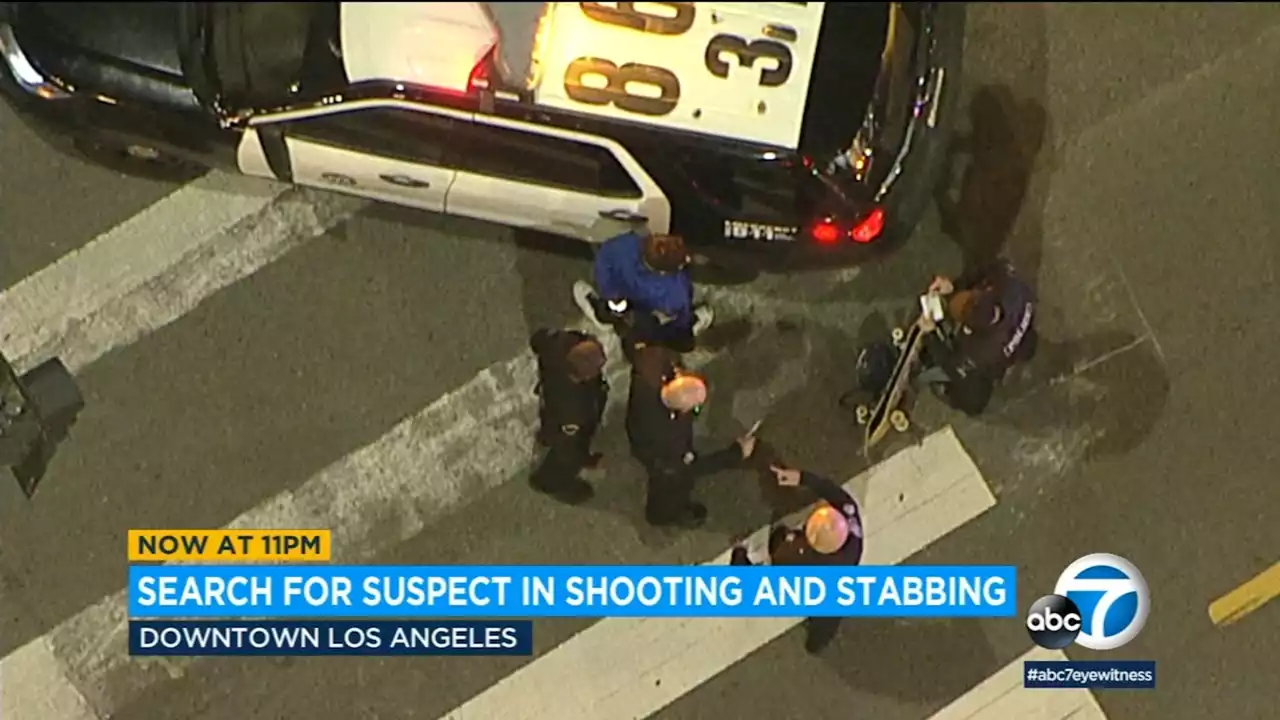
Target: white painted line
1001,697
138,277
466,443
33,686
157,266
634,667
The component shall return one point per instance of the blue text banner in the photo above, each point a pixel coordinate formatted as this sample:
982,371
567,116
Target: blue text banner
282,591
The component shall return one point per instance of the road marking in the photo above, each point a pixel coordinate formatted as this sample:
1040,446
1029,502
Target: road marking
634,667
159,265
1002,696
1261,589
32,685
136,278
467,442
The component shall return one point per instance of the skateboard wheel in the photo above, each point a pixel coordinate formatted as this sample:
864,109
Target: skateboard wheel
899,421
898,335
862,412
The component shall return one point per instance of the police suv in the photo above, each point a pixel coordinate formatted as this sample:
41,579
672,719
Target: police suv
769,124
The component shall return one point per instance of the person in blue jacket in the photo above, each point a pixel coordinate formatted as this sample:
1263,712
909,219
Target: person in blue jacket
643,290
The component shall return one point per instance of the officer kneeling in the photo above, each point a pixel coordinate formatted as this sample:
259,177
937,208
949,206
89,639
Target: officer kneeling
989,328
831,535
37,411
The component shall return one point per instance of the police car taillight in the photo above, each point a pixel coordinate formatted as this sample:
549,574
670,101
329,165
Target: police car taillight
826,232
870,227
829,231
479,77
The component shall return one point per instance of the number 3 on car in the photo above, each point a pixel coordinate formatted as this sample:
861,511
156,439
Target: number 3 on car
715,68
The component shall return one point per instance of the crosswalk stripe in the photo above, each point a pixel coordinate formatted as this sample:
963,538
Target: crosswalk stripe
1002,696
634,667
467,442
32,685
159,265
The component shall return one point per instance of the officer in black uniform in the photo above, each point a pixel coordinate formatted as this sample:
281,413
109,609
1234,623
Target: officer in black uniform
988,329
572,393
831,535
663,403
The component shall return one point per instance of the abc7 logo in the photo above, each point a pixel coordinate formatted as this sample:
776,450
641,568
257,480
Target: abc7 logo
1054,622
1116,606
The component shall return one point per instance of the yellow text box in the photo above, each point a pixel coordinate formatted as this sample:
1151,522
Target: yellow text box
1250,596
229,545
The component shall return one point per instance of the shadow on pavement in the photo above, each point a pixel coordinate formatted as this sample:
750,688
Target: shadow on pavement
1003,170
998,156
547,267
911,659
1110,388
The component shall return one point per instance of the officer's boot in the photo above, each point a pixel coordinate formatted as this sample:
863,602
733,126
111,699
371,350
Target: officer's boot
691,517
574,491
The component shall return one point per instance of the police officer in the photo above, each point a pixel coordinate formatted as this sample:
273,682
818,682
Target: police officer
572,392
831,535
988,329
663,403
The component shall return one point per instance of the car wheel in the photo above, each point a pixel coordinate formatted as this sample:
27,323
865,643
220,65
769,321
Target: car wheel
138,160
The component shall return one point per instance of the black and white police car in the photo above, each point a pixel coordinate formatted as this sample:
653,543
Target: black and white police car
769,124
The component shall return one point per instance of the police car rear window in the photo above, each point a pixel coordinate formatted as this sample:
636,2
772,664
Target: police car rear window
422,137
749,189
389,132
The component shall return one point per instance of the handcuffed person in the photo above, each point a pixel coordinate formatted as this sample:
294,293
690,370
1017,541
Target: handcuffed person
572,396
831,535
643,290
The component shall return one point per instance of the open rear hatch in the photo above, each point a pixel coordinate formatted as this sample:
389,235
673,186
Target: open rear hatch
846,69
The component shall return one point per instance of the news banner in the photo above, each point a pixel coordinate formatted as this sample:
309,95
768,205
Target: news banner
273,593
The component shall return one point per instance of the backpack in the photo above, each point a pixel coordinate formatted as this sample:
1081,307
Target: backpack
875,366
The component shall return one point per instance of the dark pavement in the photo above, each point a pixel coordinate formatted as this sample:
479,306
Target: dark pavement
1123,156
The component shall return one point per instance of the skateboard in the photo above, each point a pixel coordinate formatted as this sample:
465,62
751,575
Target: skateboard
887,411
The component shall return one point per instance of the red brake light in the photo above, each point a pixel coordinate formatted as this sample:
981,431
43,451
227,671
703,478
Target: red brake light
479,77
870,227
826,232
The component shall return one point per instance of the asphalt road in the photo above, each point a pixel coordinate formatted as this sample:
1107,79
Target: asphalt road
1126,160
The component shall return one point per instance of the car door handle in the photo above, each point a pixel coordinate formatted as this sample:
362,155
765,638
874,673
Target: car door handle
405,181
623,215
